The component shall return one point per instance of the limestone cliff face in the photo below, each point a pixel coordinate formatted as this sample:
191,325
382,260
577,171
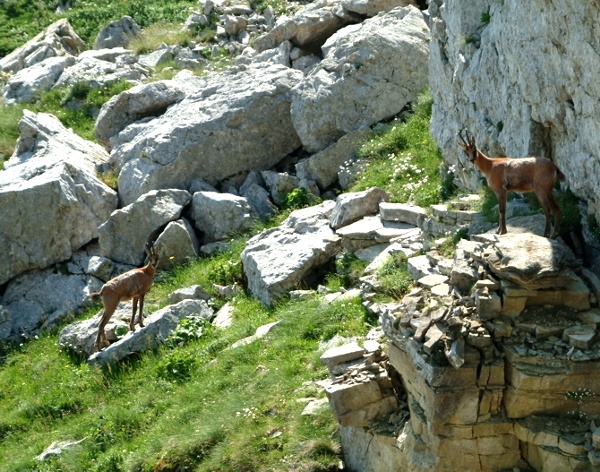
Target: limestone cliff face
524,83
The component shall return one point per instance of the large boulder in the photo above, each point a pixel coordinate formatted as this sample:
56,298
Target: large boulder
533,262
369,72
232,123
58,39
127,231
42,300
308,29
218,215
51,202
157,329
177,244
279,259
373,7
27,84
117,33
351,207
139,102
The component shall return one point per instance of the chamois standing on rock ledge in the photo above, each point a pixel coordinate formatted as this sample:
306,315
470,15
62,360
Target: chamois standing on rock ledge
133,284
527,174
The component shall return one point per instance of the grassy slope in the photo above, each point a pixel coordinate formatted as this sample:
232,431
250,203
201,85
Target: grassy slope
196,406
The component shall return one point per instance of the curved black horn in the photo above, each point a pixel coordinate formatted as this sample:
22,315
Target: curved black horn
461,137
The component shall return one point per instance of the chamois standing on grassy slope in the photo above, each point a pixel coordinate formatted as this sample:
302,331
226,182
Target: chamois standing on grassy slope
527,174
133,284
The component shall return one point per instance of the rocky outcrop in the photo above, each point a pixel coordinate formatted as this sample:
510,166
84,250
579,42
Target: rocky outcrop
148,100
278,259
125,234
218,215
537,96
27,84
50,195
103,68
498,367
370,71
351,207
244,124
308,29
80,336
117,33
59,39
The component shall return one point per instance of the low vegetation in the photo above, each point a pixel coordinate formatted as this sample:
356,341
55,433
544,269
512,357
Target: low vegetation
193,404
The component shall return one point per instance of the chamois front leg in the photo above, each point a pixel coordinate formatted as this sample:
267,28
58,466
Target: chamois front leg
502,210
132,322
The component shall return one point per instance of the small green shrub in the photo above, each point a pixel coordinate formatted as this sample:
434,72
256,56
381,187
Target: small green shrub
486,17
227,273
189,329
349,268
448,247
298,198
176,366
393,276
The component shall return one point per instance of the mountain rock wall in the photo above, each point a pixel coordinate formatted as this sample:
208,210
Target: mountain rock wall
521,77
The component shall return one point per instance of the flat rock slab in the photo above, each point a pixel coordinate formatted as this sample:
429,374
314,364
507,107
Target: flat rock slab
532,261
341,354
401,212
261,332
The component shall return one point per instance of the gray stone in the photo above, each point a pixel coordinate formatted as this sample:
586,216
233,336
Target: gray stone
324,166
247,113
177,244
371,71
199,185
194,292
99,73
218,215
28,84
419,267
258,199
58,39
351,207
117,33
401,212
100,267
42,300
306,63
155,58
158,327
532,261
253,178
261,332
338,355
224,317
279,184
310,26
373,7
280,259
132,105
126,232
54,170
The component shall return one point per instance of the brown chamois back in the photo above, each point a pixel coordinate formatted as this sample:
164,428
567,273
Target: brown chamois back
527,174
133,284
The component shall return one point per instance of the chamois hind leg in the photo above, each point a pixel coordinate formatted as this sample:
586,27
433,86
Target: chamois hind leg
502,210
557,213
545,200
109,309
132,322
141,318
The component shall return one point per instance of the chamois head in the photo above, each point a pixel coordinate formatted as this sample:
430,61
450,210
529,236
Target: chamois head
468,146
152,256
